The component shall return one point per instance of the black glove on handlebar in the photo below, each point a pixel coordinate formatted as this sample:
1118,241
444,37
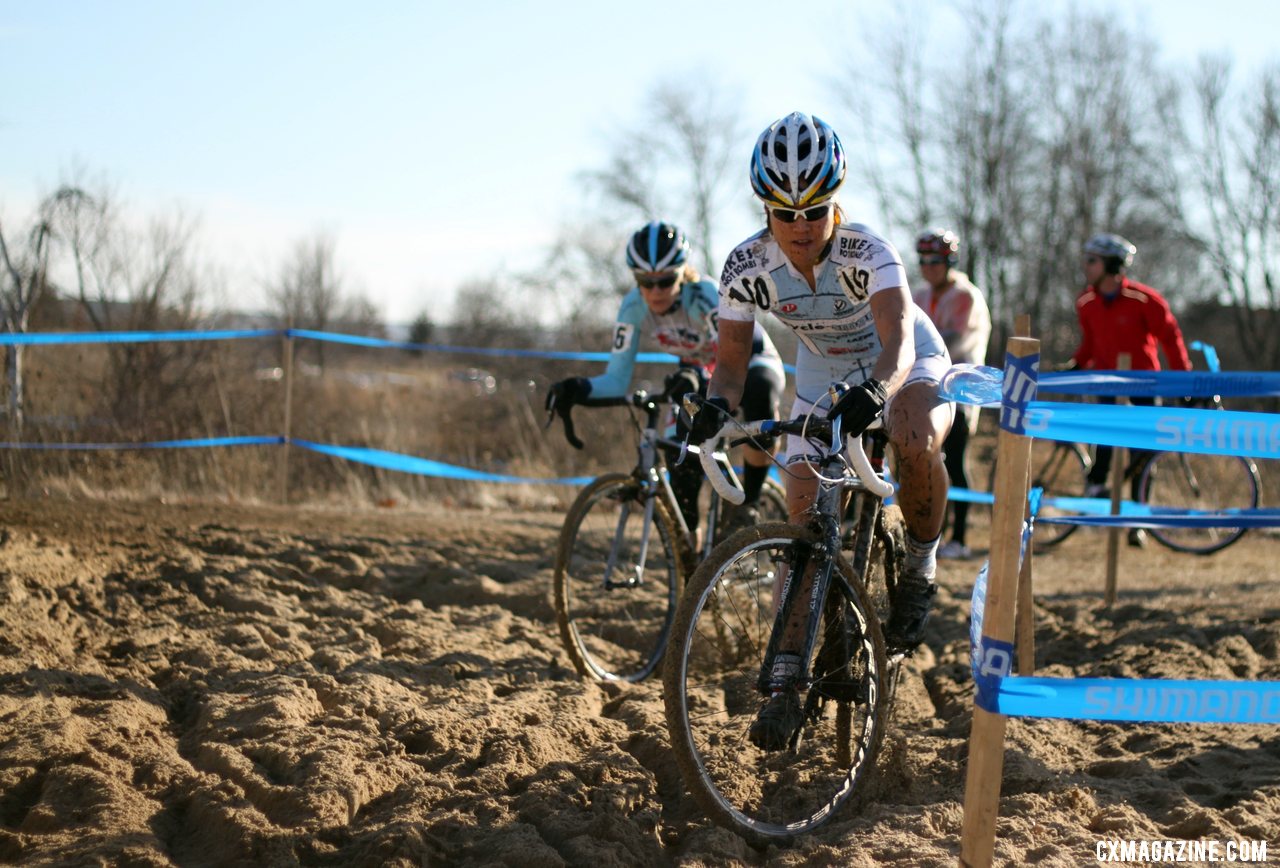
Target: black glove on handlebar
564,394
680,382
859,407
709,420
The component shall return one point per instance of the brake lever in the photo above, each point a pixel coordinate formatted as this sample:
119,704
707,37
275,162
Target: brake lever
553,410
690,406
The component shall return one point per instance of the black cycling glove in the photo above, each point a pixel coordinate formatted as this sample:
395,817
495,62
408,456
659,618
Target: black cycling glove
709,420
859,407
566,393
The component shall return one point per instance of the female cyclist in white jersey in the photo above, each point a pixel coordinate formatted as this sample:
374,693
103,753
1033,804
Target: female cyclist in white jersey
677,312
843,290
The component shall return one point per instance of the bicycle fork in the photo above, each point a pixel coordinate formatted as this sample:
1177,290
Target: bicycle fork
783,669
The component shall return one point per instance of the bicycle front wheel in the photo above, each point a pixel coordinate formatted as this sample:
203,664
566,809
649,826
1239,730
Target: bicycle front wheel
1182,480
711,691
616,580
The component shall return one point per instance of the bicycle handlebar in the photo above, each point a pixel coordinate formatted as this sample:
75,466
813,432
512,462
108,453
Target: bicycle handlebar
815,427
638,398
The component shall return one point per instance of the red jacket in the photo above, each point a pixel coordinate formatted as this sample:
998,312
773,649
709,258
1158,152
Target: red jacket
1132,321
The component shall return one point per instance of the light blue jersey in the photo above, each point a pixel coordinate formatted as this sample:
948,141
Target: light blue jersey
688,330
833,322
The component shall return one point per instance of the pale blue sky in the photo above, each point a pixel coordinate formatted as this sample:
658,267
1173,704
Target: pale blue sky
437,141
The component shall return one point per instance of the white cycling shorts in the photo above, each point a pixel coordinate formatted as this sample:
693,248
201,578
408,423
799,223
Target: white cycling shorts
927,369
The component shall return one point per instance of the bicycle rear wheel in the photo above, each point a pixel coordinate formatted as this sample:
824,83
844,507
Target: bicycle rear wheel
711,691
615,607
1182,480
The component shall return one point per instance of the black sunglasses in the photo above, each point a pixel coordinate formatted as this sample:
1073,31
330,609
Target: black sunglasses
665,282
932,260
791,215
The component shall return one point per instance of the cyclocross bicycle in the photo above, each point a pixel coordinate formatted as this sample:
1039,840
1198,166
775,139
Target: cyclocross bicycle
720,662
625,549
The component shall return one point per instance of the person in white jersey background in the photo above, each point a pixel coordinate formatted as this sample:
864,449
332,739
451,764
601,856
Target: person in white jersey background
842,289
959,311
676,311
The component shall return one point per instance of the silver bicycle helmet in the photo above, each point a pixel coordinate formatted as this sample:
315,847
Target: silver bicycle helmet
1113,247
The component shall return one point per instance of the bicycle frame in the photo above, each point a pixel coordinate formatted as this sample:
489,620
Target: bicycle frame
654,483
825,517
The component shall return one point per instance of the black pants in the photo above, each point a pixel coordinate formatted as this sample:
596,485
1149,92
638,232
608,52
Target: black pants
1101,469
954,449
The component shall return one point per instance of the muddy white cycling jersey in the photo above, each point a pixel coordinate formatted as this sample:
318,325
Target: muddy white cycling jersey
688,330
837,334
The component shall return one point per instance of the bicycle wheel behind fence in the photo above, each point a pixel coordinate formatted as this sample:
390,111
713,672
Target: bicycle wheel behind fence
614,607
1180,480
1061,469
711,693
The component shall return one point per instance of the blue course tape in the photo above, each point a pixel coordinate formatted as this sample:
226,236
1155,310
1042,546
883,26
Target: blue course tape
980,384
1164,384
424,466
1168,429
1115,699
967,495
1205,520
1139,700
200,442
363,341
7,339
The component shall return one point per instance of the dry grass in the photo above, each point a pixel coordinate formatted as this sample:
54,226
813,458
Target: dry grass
431,406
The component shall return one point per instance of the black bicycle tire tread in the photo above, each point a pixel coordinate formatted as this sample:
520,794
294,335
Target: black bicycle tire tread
673,687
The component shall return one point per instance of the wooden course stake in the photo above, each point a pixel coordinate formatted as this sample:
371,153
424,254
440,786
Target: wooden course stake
986,740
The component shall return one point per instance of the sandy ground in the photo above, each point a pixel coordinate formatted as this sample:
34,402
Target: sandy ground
225,685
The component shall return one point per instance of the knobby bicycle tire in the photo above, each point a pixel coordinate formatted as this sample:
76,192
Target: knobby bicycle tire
1183,480
711,692
616,633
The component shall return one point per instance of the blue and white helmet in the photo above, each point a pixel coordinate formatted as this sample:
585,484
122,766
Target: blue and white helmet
798,161
657,247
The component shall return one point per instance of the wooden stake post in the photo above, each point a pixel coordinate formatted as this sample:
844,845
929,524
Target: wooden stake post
986,740
286,353
1026,627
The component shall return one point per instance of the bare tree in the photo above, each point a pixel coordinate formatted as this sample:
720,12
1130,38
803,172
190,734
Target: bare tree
487,313
310,292
583,280
675,162
1236,166
1047,131
25,273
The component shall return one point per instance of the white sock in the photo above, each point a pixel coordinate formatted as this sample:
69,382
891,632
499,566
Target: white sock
922,557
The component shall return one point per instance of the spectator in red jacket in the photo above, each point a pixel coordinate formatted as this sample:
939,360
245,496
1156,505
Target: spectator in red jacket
1119,315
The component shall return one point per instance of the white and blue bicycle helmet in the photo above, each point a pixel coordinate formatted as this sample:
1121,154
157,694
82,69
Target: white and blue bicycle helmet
798,161
657,247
